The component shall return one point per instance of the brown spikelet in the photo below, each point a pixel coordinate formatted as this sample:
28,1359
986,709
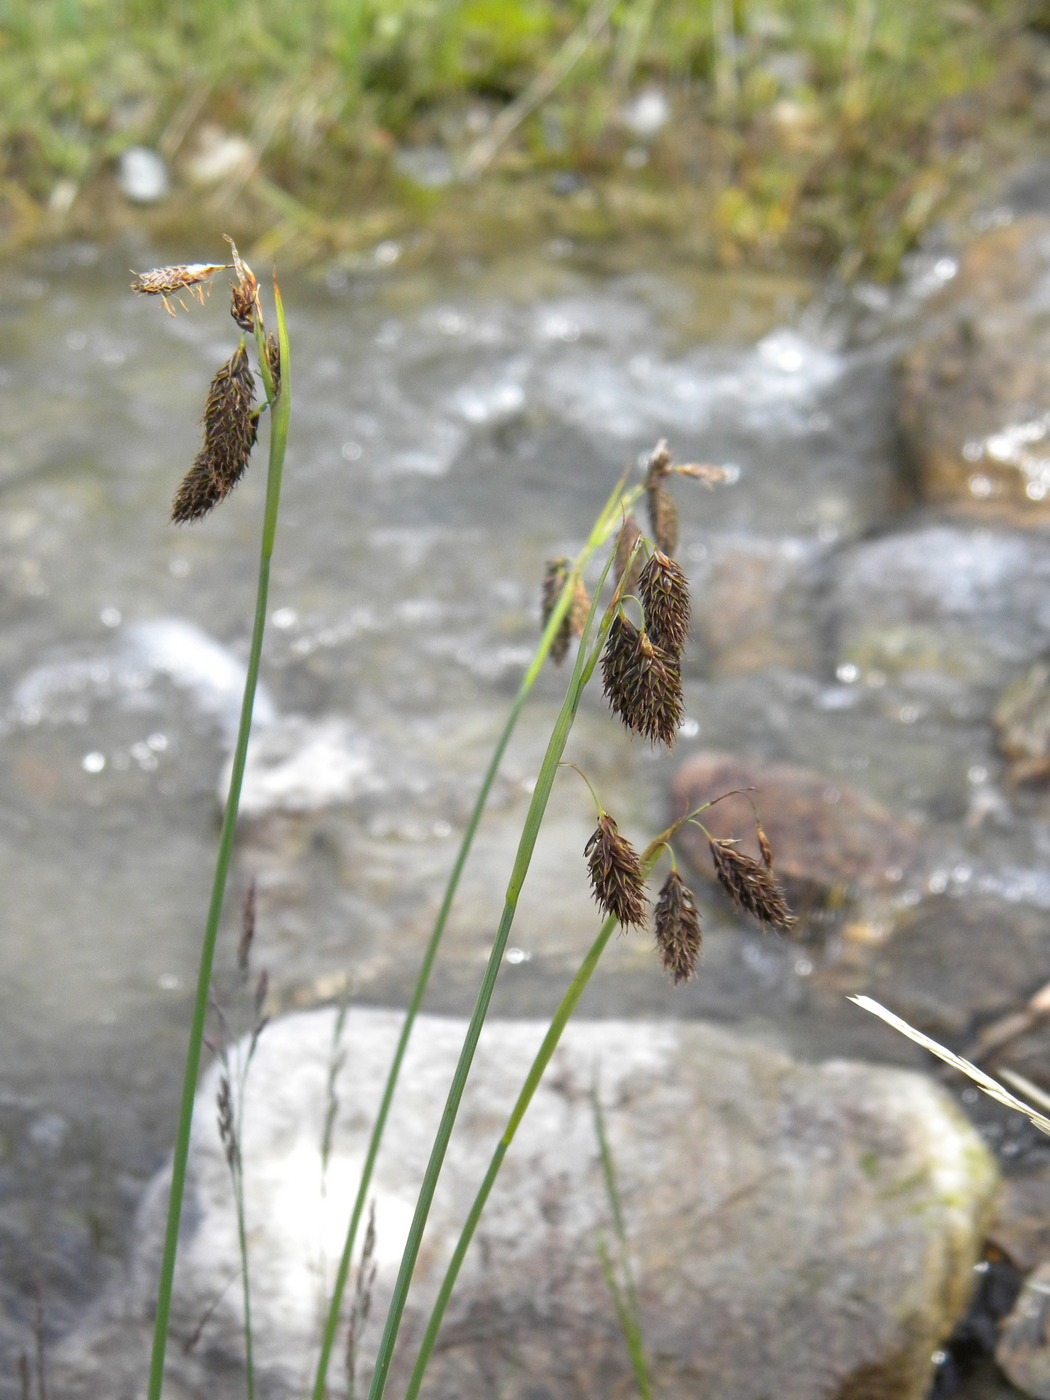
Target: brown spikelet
575,618
229,436
705,472
749,884
244,300
663,518
664,592
227,1124
625,542
764,846
244,946
361,1305
617,882
643,682
273,359
677,928
658,465
165,282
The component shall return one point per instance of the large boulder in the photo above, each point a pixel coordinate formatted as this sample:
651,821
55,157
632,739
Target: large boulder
975,387
798,1230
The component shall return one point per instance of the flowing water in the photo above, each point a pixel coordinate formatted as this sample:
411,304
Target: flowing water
452,431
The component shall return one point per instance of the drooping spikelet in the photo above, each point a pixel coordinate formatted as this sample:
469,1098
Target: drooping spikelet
165,282
229,436
663,518
643,682
677,923
749,883
664,592
575,618
628,537
616,873
273,359
244,299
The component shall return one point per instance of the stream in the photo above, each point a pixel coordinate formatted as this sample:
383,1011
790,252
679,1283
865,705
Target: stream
452,430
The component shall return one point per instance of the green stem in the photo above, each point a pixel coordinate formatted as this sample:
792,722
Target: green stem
617,505
180,1156
543,1057
526,845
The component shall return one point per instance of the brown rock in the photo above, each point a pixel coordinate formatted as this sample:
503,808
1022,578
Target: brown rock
1024,1346
975,389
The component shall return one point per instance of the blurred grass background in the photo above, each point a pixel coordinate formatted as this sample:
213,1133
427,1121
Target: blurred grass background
825,129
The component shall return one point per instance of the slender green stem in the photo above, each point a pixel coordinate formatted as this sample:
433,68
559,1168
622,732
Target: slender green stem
180,1156
625,1296
559,1021
532,1080
526,845
615,507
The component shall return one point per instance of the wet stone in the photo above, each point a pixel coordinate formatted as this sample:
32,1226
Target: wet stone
1022,724
975,387
1024,1346
793,1229
941,611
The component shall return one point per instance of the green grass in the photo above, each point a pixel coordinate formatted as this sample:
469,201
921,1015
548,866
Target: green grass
817,126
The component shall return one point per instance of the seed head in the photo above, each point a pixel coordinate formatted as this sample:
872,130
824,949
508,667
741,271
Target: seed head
749,884
165,282
244,300
643,682
229,436
664,592
616,874
659,463
625,542
273,359
575,618
663,518
677,928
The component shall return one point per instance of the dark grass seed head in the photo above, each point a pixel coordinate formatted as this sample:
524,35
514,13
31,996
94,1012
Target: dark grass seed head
663,518
575,618
230,430
749,884
643,683
677,923
628,537
617,882
664,591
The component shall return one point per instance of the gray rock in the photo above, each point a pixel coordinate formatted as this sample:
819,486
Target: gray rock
803,1231
941,610
975,389
1024,1344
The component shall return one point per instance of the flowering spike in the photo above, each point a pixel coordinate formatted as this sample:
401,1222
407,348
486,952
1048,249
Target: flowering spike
616,873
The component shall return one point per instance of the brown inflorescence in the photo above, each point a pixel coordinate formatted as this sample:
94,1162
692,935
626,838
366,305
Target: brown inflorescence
663,518
165,282
616,874
749,883
628,537
575,618
273,359
643,682
677,923
229,436
664,592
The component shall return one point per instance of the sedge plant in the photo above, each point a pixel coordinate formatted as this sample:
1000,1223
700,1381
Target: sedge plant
636,639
